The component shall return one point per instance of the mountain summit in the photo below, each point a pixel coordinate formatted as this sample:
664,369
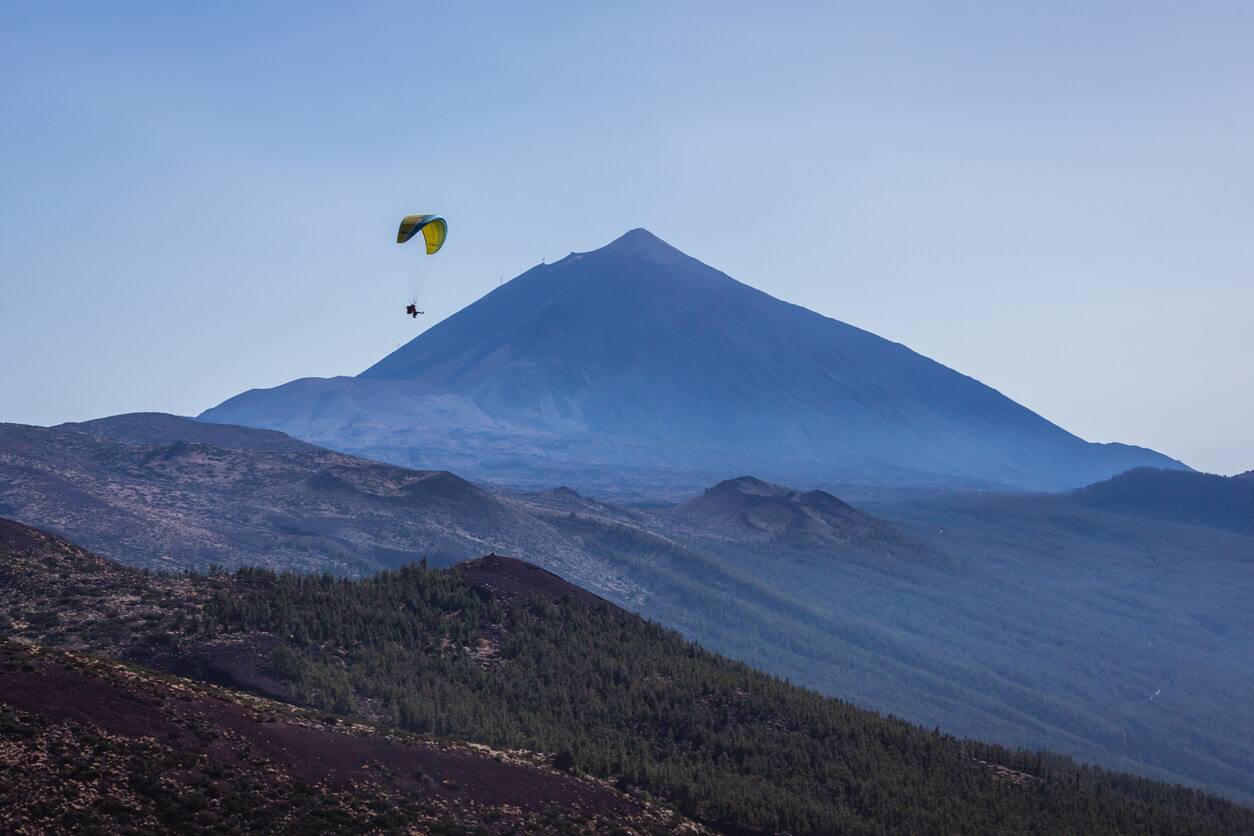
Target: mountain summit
637,364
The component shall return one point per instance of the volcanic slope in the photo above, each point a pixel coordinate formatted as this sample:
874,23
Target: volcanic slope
609,711
636,367
90,744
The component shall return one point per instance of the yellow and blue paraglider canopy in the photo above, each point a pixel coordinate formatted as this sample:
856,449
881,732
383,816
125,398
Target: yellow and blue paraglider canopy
433,227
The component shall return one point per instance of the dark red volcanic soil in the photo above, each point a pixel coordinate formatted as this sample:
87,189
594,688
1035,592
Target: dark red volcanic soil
512,577
246,740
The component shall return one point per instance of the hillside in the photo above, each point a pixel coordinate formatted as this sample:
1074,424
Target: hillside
172,493
1030,620
1134,634
995,616
1225,502
637,371
600,691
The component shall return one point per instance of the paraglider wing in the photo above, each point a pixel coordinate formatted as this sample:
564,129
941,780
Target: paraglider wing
433,227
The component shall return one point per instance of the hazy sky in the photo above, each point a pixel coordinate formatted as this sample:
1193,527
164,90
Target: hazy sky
199,199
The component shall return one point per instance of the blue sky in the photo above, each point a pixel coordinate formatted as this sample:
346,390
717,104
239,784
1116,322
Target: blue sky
199,199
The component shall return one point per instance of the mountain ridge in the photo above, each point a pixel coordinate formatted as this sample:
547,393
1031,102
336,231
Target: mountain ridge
179,501
1225,502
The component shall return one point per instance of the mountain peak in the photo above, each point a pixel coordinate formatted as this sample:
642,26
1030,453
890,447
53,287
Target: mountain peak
642,242
748,486
636,357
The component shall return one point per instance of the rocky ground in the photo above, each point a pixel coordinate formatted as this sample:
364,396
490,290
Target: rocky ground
92,745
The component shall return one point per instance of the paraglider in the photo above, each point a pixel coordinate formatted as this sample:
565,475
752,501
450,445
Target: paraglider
434,230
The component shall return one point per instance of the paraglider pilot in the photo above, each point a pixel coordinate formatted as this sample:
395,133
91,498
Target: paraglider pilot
413,311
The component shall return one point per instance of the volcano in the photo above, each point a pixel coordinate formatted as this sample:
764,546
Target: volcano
638,370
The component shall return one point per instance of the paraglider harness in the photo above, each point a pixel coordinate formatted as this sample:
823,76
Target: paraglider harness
413,311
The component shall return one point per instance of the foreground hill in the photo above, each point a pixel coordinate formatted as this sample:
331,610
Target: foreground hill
90,745
598,690
637,369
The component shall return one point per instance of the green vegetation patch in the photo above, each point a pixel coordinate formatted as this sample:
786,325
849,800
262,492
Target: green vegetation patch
621,698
